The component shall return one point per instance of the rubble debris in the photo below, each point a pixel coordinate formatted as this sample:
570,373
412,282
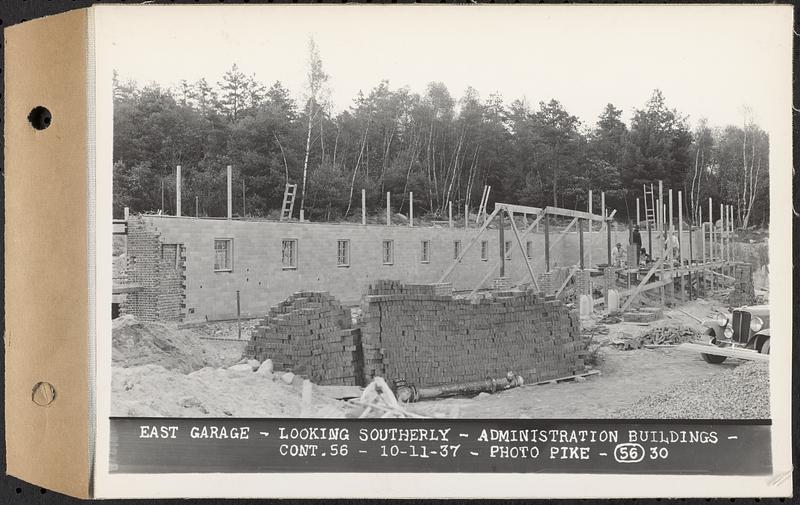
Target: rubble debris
643,315
377,400
659,336
741,393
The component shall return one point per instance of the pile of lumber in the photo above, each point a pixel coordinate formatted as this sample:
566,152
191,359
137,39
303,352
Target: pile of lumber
663,336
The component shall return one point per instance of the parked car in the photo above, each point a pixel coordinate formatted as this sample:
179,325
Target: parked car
746,327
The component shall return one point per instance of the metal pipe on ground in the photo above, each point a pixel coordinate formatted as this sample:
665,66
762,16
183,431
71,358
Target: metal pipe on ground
410,393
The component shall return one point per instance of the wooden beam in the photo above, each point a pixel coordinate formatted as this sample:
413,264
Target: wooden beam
522,250
566,281
641,285
497,262
469,245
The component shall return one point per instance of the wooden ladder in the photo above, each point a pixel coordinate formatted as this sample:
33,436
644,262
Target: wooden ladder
288,201
650,206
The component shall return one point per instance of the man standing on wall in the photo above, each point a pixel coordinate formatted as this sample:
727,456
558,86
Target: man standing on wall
617,255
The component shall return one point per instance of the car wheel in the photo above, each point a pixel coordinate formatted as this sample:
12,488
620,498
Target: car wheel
713,358
765,347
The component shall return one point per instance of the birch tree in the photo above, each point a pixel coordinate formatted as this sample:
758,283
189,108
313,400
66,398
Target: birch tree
315,84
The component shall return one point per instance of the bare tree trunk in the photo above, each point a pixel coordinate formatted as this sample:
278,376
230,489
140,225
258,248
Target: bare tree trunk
305,161
285,165
355,170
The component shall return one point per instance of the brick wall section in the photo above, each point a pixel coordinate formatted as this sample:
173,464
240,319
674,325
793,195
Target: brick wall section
262,281
743,292
159,273
430,339
583,282
310,334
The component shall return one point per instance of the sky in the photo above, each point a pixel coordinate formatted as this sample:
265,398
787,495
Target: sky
709,61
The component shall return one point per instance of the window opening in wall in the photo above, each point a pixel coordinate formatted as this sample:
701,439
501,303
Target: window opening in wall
508,249
223,255
425,251
485,250
289,254
456,249
388,252
529,249
343,253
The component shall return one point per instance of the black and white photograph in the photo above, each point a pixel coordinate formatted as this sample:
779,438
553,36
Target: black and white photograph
446,214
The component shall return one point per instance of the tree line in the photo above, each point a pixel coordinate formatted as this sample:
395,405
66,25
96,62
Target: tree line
439,147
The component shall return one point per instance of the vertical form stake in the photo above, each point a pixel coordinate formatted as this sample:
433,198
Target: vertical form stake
546,243
450,213
196,206
638,215
608,234
230,197
238,315
178,190
580,241
363,206
125,213
388,209
680,228
502,245
410,208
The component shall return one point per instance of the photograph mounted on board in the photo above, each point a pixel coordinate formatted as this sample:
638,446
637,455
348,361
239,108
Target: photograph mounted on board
358,213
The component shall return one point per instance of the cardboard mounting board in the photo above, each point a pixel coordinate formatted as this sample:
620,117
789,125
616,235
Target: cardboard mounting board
46,260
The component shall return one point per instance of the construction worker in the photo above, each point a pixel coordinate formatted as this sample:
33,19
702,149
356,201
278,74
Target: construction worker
618,256
672,246
636,240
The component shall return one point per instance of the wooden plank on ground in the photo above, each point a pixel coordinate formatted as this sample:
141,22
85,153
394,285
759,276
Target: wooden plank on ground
731,352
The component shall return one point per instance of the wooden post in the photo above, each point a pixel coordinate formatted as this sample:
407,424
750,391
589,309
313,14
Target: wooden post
603,206
196,206
671,226
238,315
546,244
466,216
244,207
661,202
178,190
411,208
702,235
691,261
302,215
388,209
730,224
580,241
722,233
638,215
710,231
363,207
502,245
680,228
591,226
126,212
608,233
230,195
450,213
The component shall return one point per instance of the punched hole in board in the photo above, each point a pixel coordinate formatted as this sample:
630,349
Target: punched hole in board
43,394
40,118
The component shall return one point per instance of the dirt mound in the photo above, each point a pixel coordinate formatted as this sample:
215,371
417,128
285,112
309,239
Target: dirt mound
152,390
136,343
741,393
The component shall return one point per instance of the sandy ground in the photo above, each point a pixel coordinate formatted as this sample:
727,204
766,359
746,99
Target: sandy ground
172,370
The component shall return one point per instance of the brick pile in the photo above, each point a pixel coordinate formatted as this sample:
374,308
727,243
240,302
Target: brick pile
430,339
310,334
743,292
643,315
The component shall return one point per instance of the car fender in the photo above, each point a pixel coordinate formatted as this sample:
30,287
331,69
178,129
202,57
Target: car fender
757,340
715,327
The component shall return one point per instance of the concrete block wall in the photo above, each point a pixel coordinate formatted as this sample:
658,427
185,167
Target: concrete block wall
156,267
429,339
262,281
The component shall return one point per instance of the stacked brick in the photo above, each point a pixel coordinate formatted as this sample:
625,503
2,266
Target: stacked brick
159,271
310,334
743,292
430,339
